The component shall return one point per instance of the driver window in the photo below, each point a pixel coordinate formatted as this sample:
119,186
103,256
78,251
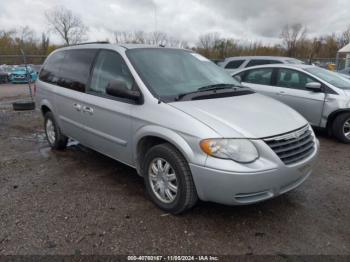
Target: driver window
292,79
109,66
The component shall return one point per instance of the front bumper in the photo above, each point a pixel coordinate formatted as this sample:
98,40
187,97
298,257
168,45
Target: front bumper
239,188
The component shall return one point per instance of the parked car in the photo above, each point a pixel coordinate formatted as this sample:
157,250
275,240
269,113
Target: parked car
4,76
22,74
343,75
321,96
233,64
187,127
345,71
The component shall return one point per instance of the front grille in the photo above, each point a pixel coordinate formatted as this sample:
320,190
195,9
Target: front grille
19,76
293,147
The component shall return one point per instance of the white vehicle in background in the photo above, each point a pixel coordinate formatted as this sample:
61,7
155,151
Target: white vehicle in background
345,72
232,64
320,95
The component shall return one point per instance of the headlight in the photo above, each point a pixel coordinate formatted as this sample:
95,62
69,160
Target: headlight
239,150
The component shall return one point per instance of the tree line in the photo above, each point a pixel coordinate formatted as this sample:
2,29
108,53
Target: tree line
294,40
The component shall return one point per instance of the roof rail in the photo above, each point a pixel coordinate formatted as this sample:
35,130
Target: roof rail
97,42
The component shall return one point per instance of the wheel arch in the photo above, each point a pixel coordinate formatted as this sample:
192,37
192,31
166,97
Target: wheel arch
45,106
333,116
150,136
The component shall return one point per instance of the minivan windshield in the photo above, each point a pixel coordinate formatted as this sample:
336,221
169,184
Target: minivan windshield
330,77
175,72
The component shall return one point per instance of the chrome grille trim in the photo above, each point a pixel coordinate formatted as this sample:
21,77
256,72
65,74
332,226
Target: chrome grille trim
294,146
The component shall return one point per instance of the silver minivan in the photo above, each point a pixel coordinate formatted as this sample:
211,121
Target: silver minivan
321,96
187,127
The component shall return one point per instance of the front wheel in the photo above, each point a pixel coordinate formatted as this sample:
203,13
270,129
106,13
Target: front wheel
168,179
341,128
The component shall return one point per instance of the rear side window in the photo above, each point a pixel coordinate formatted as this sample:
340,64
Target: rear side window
261,76
76,69
50,70
234,64
256,62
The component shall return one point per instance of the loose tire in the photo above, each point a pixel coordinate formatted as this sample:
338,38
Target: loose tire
23,105
168,179
341,128
54,136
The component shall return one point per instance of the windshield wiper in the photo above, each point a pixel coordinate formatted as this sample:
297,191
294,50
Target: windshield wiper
206,88
215,87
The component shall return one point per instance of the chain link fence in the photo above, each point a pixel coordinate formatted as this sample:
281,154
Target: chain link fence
18,59
328,63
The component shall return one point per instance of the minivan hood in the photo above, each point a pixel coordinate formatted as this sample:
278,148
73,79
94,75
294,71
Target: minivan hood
250,116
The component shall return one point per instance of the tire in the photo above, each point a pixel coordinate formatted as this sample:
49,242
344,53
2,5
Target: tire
55,138
186,195
341,128
23,105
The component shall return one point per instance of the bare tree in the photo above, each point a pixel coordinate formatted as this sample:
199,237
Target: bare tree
291,36
45,42
158,38
151,38
26,34
208,41
345,37
67,25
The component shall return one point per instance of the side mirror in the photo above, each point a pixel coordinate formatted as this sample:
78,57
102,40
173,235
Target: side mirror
238,78
119,88
314,86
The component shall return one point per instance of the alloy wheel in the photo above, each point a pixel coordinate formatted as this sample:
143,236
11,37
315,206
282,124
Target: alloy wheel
163,180
50,131
346,129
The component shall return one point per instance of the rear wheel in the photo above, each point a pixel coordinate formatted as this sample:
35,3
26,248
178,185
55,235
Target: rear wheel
56,139
341,128
168,179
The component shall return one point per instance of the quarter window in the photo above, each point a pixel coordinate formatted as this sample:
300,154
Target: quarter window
234,64
261,76
109,66
292,79
50,71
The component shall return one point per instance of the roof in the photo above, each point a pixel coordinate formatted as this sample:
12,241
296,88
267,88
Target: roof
291,66
345,49
105,45
259,57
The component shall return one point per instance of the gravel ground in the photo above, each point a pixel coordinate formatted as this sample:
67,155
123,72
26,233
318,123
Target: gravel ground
81,202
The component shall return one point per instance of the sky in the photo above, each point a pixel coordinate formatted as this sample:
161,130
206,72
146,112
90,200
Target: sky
186,20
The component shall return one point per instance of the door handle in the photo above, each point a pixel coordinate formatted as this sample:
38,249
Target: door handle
88,109
77,107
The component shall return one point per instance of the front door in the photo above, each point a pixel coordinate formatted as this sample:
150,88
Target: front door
290,89
107,118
